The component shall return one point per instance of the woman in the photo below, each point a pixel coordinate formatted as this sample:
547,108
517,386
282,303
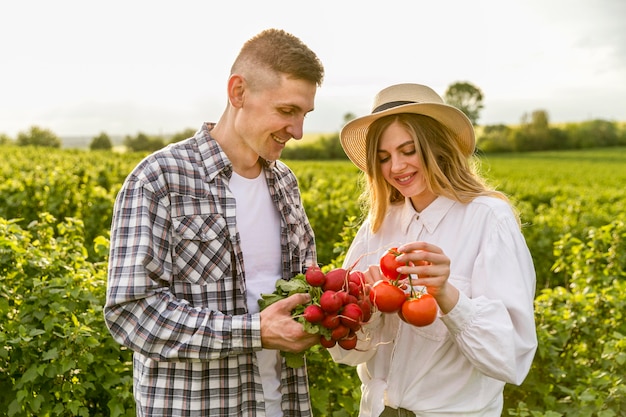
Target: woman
466,249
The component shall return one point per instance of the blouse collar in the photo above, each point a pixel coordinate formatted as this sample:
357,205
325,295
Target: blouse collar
430,217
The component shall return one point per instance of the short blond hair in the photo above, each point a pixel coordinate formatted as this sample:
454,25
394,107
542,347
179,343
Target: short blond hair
280,52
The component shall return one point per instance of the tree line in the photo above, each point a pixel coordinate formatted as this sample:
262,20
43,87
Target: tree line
534,133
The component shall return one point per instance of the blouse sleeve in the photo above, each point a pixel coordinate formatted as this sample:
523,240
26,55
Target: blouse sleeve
495,327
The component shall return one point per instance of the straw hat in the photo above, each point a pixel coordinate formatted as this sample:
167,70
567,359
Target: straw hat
406,98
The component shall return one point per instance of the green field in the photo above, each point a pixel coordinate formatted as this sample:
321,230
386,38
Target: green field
56,358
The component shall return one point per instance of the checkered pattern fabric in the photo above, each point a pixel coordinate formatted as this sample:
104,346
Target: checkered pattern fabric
176,291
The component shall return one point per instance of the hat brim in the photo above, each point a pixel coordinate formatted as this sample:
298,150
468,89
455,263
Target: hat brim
353,135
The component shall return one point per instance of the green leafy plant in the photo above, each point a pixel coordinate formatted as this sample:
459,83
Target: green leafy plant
579,366
56,358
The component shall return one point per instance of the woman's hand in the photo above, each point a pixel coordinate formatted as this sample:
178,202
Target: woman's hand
372,275
432,268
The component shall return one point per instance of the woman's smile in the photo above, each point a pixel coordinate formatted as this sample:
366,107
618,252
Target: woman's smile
405,179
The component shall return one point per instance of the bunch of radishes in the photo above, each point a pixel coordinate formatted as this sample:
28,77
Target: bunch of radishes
341,302
340,308
339,305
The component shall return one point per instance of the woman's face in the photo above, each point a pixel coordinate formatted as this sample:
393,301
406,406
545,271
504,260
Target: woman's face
401,167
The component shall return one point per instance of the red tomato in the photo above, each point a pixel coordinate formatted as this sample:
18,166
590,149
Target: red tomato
387,297
389,264
420,310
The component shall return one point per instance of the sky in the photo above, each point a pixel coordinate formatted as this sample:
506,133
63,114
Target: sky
80,68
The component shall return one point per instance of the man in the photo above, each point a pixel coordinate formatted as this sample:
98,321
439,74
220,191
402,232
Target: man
200,229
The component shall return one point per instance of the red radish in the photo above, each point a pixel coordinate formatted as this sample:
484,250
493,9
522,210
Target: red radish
314,276
340,332
354,289
313,313
336,280
358,278
349,299
327,343
351,316
346,298
366,308
348,342
331,321
330,301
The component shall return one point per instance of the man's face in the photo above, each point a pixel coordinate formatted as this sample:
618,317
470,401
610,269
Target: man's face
269,117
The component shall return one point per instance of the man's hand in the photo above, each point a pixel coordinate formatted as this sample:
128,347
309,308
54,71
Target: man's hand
280,331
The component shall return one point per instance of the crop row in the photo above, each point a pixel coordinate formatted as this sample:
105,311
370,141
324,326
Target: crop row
56,357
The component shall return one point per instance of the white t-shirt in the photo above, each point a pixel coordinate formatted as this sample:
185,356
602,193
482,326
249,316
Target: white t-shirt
459,364
258,223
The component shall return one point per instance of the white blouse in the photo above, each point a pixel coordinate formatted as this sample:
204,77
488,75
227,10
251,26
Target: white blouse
459,364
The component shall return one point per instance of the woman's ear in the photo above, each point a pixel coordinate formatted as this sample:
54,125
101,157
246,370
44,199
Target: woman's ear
236,88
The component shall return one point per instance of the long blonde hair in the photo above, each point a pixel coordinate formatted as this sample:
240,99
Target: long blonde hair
447,171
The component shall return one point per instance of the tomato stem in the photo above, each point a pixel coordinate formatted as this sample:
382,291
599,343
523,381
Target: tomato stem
413,294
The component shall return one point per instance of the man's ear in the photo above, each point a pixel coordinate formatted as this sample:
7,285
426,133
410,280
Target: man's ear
236,88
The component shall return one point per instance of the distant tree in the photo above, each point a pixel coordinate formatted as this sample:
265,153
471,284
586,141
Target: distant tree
137,143
348,116
322,148
101,142
621,134
143,143
37,136
593,133
5,139
185,134
539,120
534,133
495,138
467,98
332,147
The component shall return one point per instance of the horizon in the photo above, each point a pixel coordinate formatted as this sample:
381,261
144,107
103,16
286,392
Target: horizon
143,67
83,141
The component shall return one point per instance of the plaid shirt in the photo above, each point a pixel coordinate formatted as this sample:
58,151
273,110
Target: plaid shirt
176,291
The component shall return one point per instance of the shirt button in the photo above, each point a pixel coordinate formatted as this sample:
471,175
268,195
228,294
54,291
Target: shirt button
417,217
